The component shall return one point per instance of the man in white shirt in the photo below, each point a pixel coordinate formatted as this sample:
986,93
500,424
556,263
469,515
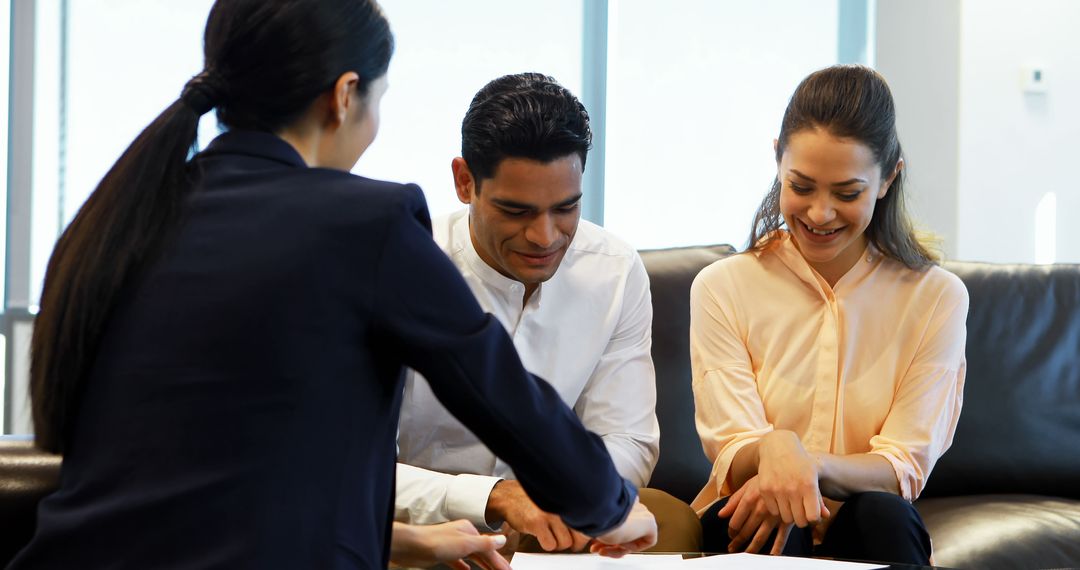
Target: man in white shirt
574,298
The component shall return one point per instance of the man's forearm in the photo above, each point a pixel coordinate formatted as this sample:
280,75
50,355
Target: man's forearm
430,497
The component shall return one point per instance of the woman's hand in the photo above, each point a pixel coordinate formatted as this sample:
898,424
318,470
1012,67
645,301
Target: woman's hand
788,480
636,533
749,520
447,543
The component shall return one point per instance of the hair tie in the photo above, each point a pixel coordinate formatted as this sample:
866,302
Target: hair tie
203,92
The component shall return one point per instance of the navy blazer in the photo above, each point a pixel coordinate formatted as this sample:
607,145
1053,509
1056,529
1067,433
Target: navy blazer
243,407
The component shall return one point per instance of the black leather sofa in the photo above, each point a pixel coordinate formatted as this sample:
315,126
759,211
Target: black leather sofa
26,476
1007,494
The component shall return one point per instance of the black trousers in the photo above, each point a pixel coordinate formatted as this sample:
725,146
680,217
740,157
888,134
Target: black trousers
879,527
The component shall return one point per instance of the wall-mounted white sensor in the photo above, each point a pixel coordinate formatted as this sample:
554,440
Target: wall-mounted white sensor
1034,79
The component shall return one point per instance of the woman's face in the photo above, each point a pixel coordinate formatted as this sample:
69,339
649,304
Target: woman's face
829,189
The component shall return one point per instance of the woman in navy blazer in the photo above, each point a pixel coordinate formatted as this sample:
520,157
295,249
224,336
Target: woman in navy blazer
221,339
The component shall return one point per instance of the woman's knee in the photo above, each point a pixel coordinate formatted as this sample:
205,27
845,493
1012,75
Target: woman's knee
878,526
714,530
880,505
882,512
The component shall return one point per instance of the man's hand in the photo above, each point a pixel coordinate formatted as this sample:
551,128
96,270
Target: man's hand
509,502
636,533
447,543
788,479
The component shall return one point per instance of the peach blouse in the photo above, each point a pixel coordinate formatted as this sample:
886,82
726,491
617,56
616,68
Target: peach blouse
873,365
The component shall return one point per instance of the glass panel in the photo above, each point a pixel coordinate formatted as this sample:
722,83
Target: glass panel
695,98
127,60
446,51
47,136
3,382
435,72
5,59
21,416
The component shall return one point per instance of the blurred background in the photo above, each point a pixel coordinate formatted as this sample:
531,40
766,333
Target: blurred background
686,97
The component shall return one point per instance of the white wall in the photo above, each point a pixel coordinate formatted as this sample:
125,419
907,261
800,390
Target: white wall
696,93
1015,147
982,152
918,53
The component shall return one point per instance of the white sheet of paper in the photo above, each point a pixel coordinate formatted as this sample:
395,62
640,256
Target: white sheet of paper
746,561
527,561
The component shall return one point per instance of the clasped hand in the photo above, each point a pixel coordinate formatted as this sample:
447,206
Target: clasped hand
509,502
784,493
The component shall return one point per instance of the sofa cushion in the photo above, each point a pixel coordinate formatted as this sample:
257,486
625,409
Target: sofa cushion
682,468
1020,425
27,474
1003,531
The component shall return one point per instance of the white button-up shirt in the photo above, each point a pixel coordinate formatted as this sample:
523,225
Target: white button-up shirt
587,331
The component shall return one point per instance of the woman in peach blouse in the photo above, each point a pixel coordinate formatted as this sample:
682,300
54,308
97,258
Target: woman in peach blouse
828,359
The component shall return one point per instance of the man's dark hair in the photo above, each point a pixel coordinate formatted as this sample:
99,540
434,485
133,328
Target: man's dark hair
525,115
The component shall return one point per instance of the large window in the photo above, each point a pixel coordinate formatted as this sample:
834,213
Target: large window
5,58
103,69
682,126
695,98
447,51
687,96
100,71
126,61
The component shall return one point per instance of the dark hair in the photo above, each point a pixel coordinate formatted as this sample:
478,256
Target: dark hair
849,102
525,115
266,61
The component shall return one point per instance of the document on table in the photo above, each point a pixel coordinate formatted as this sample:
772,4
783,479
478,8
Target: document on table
527,561
762,562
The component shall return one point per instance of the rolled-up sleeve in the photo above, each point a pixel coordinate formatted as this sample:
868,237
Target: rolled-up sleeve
429,497
729,411
922,421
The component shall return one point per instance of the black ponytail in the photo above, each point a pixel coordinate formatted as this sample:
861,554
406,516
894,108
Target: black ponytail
121,225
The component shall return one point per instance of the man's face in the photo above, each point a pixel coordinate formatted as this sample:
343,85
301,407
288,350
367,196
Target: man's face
523,218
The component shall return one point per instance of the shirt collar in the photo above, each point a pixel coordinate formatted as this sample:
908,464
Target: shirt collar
785,249
514,290
255,143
